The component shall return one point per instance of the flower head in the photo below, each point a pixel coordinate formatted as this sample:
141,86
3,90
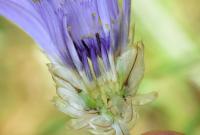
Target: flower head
96,72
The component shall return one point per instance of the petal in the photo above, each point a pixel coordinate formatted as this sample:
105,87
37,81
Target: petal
70,45
127,11
22,13
113,9
125,24
82,18
54,26
115,22
103,12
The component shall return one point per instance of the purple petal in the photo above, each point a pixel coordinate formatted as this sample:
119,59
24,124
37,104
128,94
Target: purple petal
71,46
125,23
82,18
127,12
22,13
113,9
54,25
104,15
73,31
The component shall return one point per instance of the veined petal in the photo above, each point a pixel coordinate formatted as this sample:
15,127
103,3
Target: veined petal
54,25
114,9
105,18
114,13
70,45
82,18
22,13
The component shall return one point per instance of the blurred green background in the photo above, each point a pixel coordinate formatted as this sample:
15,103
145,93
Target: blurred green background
170,30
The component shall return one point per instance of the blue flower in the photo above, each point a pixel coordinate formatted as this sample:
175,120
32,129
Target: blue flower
96,72
73,31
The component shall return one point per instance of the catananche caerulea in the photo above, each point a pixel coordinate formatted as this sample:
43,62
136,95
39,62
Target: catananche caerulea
96,70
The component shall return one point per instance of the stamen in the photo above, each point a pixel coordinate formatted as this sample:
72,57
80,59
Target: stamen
98,41
93,57
98,38
78,50
85,46
104,52
86,65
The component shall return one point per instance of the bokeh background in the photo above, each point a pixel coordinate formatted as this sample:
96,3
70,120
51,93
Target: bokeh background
170,30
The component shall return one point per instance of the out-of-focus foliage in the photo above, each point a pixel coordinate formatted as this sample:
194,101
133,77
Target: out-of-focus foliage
170,30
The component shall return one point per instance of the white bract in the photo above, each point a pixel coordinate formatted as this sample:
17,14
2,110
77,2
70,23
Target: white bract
108,106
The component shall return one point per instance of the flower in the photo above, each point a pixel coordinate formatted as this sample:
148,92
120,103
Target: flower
95,70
